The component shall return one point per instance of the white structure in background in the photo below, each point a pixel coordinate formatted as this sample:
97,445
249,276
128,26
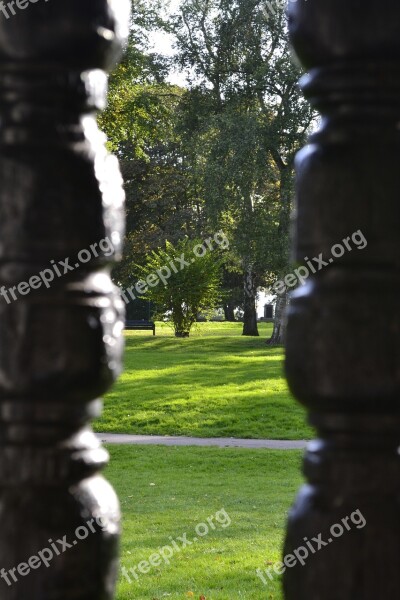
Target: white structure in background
262,300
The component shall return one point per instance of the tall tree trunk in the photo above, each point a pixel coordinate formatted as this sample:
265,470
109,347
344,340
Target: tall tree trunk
282,302
279,332
229,311
250,310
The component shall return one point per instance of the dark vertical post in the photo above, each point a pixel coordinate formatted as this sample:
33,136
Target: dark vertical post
60,316
343,339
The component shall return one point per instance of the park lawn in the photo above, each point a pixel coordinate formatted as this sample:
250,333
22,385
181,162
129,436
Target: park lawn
216,383
166,492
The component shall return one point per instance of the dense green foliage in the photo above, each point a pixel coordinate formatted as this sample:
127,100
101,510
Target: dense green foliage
248,120
216,154
184,281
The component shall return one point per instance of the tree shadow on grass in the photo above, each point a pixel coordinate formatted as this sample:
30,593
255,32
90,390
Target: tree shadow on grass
215,387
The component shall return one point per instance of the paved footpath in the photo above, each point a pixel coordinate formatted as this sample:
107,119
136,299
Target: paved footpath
159,440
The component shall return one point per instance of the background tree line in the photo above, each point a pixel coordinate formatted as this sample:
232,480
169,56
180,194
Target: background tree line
216,154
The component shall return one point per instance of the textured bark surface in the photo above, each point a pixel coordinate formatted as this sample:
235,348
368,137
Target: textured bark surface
343,353
60,346
229,311
250,327
279,332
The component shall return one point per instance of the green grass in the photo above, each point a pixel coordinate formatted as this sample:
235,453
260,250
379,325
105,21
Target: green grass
166,492
216,383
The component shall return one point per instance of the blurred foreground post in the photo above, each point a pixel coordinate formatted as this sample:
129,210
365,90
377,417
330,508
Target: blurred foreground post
343,338
61,318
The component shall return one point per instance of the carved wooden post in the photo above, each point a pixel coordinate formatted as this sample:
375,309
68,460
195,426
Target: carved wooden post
60,316
343,341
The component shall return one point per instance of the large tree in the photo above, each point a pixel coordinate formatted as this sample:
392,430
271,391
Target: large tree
250,122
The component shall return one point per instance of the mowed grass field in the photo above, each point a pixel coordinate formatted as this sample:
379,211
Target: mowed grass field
166,492
216,383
